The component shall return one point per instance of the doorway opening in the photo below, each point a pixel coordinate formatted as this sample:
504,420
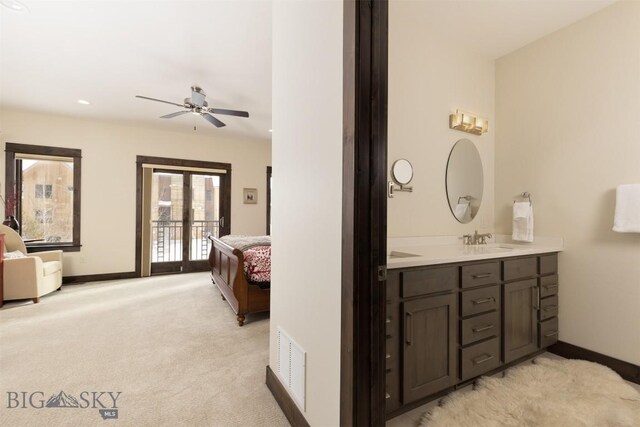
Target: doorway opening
180,204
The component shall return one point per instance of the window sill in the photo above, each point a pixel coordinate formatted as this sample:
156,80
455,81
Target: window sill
64,247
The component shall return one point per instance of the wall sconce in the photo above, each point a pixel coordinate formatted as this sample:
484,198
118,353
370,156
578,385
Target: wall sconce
467,122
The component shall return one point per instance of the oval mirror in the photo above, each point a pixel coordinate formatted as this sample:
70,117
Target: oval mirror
464,181
402,171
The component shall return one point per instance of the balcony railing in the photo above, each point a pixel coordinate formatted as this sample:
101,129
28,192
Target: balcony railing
167,238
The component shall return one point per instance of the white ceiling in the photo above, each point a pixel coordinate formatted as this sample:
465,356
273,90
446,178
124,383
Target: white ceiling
109,51
494,28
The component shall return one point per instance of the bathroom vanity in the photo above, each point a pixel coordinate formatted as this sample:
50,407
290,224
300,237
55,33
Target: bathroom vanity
457,312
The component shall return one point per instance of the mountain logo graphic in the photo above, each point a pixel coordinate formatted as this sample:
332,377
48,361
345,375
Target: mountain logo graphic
62,400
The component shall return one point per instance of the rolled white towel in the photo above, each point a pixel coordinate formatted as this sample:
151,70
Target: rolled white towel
627,216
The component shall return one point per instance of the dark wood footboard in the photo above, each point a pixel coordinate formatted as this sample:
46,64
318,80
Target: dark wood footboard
227,272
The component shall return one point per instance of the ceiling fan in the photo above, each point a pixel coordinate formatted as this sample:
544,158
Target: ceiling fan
198,105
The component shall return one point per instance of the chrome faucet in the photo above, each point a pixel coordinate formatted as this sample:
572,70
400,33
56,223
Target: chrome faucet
476,238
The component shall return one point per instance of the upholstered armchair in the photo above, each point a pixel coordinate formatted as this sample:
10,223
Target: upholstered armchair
31,276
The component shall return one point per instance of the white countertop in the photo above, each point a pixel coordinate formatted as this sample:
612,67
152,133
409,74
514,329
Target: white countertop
429,251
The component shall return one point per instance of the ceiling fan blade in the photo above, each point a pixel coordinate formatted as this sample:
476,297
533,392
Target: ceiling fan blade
229,112
159,100
208,117
172,115
197,96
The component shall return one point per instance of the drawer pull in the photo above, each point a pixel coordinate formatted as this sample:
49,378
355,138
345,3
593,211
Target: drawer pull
388,320
551,334
482,301
550,307
482,359
550,286
388,356
387,395
482,328
482,276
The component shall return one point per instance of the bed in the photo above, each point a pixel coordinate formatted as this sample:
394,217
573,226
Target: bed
241,269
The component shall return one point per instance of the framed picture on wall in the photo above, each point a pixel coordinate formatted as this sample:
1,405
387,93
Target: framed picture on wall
250,196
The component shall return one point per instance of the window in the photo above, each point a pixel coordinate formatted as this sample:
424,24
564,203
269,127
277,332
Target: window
43,193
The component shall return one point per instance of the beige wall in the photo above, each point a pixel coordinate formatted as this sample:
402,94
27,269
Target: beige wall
567,113
307,194
428,79
109,181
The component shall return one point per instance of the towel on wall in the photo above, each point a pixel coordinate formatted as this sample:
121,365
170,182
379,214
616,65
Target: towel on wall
462,211
627,216
522,222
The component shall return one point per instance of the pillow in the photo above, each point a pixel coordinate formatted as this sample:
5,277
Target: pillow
13,255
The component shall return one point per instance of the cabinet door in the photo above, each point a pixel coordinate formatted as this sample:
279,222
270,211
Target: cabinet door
430,357
520,319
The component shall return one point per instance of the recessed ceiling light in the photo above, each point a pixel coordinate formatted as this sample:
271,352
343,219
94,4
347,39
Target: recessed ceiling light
14,5
83,102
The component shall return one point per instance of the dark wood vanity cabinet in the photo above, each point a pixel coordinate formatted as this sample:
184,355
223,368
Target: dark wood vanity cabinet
520,321
429,353
449,324
422,317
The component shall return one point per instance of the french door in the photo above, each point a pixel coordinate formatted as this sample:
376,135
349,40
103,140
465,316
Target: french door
186,208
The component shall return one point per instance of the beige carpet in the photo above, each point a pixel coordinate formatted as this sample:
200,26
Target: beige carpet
549,393
169,344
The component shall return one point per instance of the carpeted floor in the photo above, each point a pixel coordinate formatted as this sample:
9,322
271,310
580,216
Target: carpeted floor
550,393
169,344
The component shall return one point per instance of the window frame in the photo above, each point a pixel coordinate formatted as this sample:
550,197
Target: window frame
13,181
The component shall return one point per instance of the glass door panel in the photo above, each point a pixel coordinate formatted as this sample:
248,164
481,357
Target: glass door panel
204,215
167,201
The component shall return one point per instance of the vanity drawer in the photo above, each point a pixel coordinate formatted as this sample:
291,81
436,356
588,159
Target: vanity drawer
480,327
428,281
480,358
522,268
548,286
549,307
487,273
548,332
549,264
480,300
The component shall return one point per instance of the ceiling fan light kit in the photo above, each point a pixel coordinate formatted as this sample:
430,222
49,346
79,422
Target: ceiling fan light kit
198,105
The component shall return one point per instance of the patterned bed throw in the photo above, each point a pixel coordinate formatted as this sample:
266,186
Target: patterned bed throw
257,255
257,264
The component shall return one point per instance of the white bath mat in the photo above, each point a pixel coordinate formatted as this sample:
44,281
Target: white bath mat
547,393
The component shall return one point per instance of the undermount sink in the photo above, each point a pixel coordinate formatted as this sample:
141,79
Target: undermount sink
499,249
398,254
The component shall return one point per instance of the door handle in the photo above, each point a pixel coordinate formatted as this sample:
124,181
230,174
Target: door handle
221,222
409,330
